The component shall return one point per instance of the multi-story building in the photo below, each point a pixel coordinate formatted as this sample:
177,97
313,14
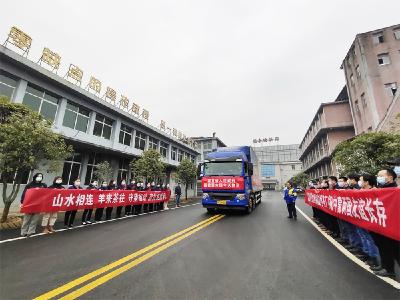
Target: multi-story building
372,71
206,145
331,125
98,130
278,164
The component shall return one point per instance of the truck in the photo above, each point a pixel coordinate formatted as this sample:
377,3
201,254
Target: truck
230,179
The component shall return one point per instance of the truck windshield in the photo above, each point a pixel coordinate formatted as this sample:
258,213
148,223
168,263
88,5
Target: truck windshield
223,169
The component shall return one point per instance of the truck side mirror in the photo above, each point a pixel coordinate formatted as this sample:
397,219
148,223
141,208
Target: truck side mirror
250,167
199,171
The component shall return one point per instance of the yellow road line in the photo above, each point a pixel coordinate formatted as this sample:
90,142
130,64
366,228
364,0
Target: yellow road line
103,279
117,263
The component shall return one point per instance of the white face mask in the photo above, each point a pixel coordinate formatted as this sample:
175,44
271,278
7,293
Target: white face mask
58,181
360,183
123,183
77,183
104,185
39,178
341,184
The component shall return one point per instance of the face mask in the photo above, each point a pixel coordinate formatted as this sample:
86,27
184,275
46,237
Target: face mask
39,179
58,181
381,180
94,183
104,185
77,183
341,184
324,185
360,184
123,183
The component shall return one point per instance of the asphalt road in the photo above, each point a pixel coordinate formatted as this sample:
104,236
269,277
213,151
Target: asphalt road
259,256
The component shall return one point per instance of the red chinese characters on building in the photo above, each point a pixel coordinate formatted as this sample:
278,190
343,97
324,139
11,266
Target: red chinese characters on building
222,183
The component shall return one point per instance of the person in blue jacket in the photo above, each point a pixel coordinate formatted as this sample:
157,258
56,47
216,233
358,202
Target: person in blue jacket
290,196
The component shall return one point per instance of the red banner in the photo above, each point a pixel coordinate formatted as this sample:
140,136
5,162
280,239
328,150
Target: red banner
222,183
53,200
377,210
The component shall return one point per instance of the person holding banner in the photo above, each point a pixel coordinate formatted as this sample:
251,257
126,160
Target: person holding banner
69,217
49,219
29,222
111,186
389,248
129,208
98,215
87,213
122,186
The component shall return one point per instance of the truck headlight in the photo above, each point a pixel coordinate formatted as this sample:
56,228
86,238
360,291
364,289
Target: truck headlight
205,196
241,196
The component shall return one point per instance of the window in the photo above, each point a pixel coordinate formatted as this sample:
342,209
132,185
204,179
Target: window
42,102
163,149
378,38
153,143
22,175
207,145
357,107
383,59
72,168
391,88
173,153
396,32
7,85
293,167
102,127
358,72
123,169
76,117
363,100
125,135
140,140
352,79
94,160
180,155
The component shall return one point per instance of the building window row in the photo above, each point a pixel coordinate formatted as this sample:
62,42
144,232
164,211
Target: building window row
379,38
41,101
103,127
7,85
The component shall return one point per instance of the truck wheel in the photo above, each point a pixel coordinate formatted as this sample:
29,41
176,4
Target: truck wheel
250,208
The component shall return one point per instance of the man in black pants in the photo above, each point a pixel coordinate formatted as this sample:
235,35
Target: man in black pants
388,248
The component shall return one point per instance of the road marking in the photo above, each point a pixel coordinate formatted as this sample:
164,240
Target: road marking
347,253
120,261
93,224
92,285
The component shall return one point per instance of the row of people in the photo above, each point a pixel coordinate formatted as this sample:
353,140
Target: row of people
30,220
378,251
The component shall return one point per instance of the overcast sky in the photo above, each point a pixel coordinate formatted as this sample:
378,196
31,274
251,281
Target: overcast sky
243,69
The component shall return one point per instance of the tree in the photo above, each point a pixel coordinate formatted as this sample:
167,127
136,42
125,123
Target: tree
367,153
149,166
301,179
103,172
25,140
187,173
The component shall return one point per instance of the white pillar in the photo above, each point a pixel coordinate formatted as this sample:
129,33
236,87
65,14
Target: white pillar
116,129
19,92
60,113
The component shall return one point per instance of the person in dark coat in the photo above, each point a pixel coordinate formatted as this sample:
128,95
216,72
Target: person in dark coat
87,213
121,186
69,217
389,248
111,186
129,209
30,220
178,193
98,215
49,219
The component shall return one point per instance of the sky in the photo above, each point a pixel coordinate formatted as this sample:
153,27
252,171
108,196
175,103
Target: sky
243,69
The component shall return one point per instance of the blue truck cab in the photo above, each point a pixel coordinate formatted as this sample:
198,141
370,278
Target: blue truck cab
231,179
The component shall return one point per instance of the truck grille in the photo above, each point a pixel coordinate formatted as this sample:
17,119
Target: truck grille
222,196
